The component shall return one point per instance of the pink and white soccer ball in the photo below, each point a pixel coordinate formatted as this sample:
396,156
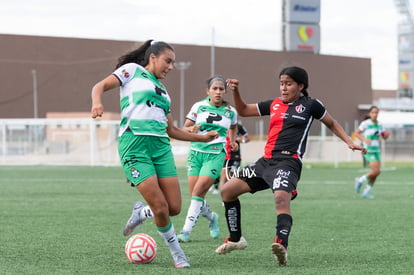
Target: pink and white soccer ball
141,248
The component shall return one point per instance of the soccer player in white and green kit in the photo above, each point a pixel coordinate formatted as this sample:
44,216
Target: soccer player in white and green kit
205,160
370,132
144,138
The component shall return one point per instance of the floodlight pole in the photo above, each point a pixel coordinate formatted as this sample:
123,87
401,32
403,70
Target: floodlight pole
212,53
182,66
35,114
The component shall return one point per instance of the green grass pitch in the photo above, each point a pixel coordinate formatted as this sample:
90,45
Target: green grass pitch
68,220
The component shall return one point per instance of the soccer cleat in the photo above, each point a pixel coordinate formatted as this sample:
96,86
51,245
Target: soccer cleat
229,246
180,260
358,185
367,196
183,237
135,218
214,226
280,253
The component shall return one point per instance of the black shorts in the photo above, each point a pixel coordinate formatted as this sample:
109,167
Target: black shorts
277,174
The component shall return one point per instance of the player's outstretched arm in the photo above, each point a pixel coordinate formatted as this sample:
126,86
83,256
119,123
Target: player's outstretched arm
337,129
98,89
242,108
180,134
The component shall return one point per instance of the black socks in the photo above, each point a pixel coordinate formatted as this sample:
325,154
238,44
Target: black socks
233,219
284,223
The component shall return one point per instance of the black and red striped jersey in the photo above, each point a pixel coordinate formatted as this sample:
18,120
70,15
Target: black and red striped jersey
235,155
289,124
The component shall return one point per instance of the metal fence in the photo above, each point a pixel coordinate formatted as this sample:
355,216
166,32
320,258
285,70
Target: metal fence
58,142
94,143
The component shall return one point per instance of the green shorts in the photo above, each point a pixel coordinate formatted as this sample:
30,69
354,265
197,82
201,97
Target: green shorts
144,156
369,157
205,164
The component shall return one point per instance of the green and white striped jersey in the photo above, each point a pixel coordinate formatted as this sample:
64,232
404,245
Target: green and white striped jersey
371,131
144,100
212,118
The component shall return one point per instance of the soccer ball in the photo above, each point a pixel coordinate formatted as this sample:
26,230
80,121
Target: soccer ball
141,248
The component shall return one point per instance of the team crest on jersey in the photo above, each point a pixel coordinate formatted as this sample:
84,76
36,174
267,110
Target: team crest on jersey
134,172
125,73
300,108
227,113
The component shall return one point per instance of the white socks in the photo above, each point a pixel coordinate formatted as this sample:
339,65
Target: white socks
193,213
206,211
170,238
363,179
146,212
368,188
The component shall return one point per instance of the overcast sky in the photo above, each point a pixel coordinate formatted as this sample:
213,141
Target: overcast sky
356,28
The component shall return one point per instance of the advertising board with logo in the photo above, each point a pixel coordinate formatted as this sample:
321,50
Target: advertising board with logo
302,37
301,30
305,11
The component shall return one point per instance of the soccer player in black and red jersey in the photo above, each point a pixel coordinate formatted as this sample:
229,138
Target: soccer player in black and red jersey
291,116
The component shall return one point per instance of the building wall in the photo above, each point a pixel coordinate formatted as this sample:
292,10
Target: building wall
67,68
378,94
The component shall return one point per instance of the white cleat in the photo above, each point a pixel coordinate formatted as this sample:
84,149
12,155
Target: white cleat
180,260
135,218
229,246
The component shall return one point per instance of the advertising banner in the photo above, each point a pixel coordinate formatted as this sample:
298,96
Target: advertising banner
303,11
300,26
302,37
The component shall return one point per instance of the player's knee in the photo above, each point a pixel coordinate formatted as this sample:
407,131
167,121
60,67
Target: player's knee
282,200
175,210
376,172
227,194
163,210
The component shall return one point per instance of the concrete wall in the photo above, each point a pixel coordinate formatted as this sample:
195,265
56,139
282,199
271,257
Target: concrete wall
67,68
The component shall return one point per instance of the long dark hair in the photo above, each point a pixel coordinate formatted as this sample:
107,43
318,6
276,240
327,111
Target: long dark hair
367,115
142,54
299,75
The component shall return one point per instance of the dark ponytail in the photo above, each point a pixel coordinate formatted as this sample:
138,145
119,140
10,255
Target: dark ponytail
142,54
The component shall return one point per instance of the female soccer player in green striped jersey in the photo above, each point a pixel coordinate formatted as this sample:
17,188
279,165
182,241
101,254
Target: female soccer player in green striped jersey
370,132
144,137
205,160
